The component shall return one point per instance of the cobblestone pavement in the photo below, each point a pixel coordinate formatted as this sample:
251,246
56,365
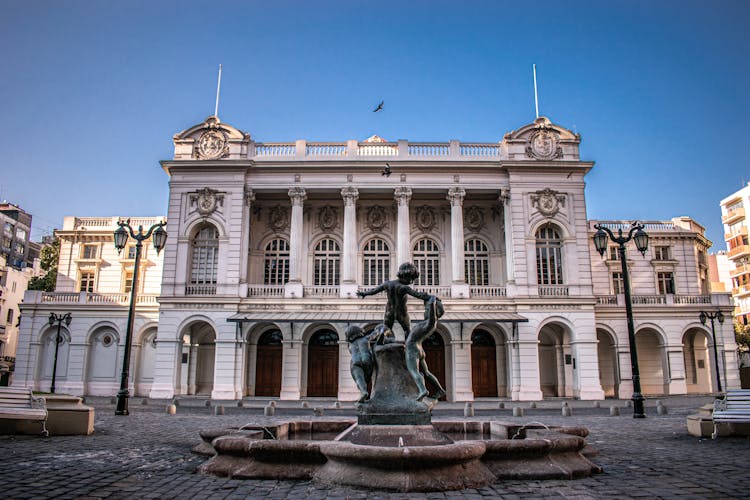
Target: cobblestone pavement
147,455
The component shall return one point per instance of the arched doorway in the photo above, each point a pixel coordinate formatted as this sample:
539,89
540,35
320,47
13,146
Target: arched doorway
268,364
698,371
323,364
483,364
434,351
102,365
146,360
555,361
650,362
608,373
198,358
47,357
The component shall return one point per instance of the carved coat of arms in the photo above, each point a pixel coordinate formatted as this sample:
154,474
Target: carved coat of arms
474,218
206,200
212,144
548,201
425,219
327,218
376,218
543,145
278,218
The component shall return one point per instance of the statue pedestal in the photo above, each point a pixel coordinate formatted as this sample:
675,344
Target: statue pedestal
393,399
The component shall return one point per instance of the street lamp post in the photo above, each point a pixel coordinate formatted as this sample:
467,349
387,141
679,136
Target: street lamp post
59,319
640,237
717,315
121,237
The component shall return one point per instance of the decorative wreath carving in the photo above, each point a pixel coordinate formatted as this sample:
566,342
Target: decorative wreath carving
474,218
426,218
278,218
327,218
377,218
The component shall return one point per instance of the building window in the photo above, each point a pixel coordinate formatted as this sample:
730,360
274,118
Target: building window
276,262
20,234
9,319
205,259
476,263
130,255
88,279
8,228
549,267
20,249
426,257
662,253
665,282
327,259
614,252
89,251
618,286
127,281
376,262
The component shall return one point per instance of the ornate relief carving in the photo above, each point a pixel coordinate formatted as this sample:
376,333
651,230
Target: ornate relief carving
402,195
206,201
548,201
543,144
377,219
474,219
426,218
212,144
278,218
249,197
456,195
350,195
327,218
504,196
298,195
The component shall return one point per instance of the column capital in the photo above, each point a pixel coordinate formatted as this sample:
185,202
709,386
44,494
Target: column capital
402,194
298,195
504,195
249,196
350,194
456,196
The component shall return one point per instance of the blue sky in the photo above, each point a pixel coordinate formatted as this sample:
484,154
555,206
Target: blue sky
91,92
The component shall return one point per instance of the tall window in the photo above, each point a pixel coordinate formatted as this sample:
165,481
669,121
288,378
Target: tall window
665,282
89,251
87,281
205,261
476,263
426,257
549,267
127,281
377,262
276,266
614,252
327,259
662,253
618,285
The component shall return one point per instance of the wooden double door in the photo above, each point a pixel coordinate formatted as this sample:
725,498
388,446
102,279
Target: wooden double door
323,365
268,364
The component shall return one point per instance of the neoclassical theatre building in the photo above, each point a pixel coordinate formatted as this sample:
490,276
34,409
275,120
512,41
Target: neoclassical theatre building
270,241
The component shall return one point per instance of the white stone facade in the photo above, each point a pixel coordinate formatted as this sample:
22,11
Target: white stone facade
269,243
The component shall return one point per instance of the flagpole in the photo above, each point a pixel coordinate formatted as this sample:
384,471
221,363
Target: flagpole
536,95
218,87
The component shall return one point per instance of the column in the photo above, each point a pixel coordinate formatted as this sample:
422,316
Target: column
562,382
294,287
402,194
528,388
459,287
504,199
291,363
460,356
348,287
249,198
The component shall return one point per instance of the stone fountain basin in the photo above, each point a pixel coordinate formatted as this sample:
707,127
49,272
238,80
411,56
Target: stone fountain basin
447,456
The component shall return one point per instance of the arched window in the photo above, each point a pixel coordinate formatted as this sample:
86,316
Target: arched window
426,257
376,262
205,259
476,263
549,266
276,265
327,263
271,337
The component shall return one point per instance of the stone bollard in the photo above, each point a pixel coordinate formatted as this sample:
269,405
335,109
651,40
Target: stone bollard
208,403
597,404
501,406
269,411
305,404
336,405
176,402
614,411
567,411
468,410
532,405
171,409
272,403
144,402
218,410
240,404
660,408
517,411
318,412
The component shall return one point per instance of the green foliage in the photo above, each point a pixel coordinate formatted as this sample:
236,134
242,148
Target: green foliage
742,336
49,256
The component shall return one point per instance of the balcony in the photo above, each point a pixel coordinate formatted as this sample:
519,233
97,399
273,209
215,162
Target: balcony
321,291
741,232
489,292
655,300
200,290
741,291
733,215
88,298
739,269
553,291
265,290
739,251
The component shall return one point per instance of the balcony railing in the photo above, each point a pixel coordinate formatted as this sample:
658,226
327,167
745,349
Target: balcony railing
741,290
439,291
200,290
739,269
738,251
320,291
733,215
739,232
692,299
265,290
487,291
96,298
553,291
649,299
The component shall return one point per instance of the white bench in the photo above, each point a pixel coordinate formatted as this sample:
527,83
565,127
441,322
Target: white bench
733,408
21,404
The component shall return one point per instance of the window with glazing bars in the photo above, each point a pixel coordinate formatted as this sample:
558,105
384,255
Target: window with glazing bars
476,263
665,282
205,261
276,267
618,285
88,278
426,257
549,267
327,259
376,262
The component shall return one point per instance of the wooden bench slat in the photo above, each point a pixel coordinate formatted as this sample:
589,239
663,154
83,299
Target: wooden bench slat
21,404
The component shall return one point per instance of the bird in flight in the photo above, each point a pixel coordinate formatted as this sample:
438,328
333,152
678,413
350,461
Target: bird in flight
379,107
387,170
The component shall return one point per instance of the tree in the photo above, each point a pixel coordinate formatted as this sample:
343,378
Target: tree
49,256
742,336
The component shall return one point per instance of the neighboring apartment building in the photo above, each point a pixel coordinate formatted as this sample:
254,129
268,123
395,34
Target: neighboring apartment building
719,271
269,243
13,284
15,234
736,226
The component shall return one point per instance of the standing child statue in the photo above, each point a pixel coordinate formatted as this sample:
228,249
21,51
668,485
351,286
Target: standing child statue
415,356
396,292
363,360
